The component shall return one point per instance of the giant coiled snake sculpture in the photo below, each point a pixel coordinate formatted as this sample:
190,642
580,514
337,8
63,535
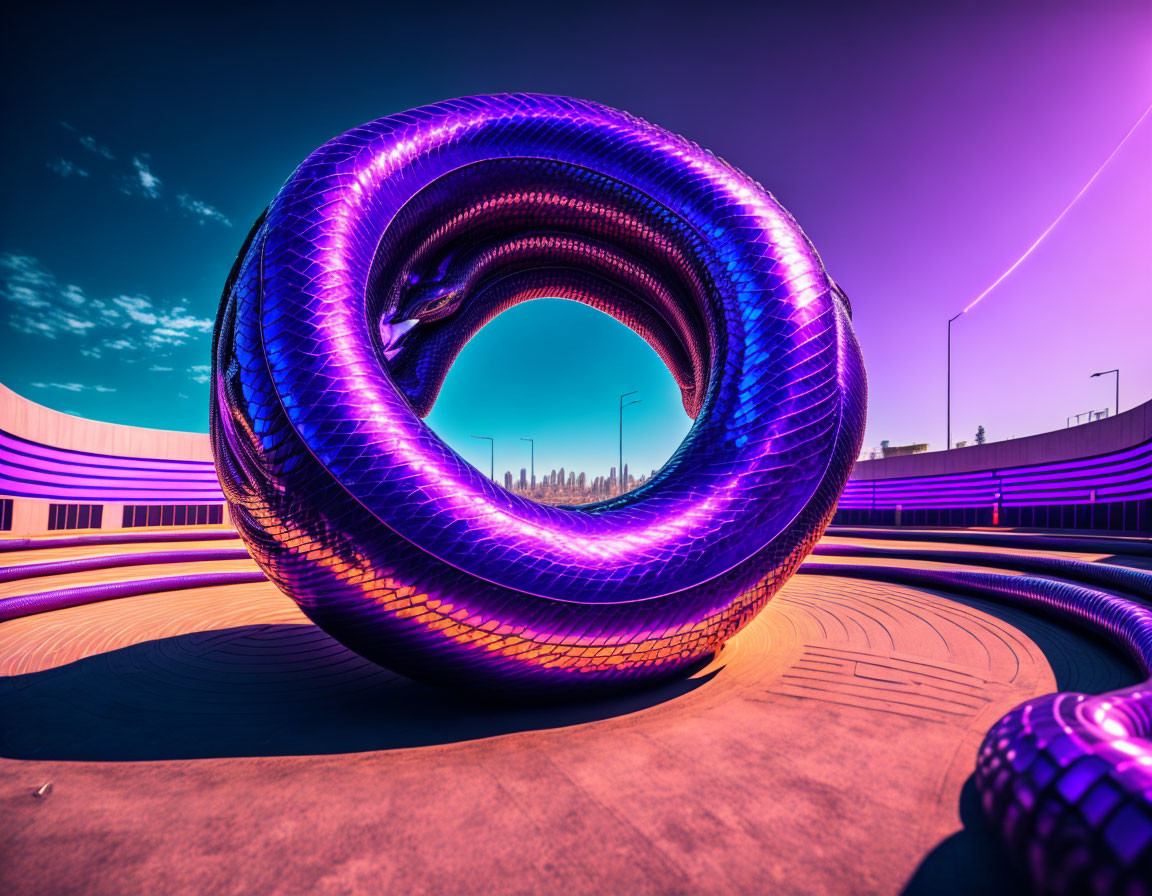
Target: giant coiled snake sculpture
385,252
393,244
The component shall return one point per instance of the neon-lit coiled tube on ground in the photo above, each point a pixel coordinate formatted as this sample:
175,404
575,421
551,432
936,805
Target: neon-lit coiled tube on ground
1066,779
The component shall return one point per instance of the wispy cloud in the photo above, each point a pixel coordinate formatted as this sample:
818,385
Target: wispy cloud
137,179
90,144
136,307
200,373
142,182
160,368
174,327
38,304
73,387
66,169
202,210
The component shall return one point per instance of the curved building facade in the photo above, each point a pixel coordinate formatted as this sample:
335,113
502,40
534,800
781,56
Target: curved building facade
1094,476
61,472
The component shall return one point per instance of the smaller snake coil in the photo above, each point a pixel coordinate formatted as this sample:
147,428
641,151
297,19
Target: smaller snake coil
394,243
1066,778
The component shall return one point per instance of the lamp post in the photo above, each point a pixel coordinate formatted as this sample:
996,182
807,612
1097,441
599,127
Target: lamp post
948,444
492,456
623,404
1115,370
532,460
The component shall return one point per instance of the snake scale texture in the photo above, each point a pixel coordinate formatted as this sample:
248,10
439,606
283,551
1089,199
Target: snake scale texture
385,252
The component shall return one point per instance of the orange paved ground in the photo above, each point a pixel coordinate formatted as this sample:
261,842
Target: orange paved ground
213,741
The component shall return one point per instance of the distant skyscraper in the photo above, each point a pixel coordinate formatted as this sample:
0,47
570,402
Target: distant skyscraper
508,480
523,478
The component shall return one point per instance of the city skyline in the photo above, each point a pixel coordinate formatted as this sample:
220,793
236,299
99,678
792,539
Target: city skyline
569,487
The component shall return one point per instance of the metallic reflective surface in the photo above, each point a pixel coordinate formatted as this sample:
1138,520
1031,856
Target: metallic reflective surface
385,252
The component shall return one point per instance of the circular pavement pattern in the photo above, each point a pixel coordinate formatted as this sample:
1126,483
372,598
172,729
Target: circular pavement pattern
211,740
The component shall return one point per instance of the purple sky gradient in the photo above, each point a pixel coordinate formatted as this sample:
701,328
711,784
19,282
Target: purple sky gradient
953,149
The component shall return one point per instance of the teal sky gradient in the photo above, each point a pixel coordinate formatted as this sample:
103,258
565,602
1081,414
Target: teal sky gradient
553,370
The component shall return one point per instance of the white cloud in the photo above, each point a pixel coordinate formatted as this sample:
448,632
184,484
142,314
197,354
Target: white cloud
159,368
66,169
38,304
177,327
200,373
73,294
26,282
137,308
145,182
140,181
90,144
202,210
73,387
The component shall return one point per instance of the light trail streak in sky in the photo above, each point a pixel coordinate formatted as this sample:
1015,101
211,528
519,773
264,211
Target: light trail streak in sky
1019,261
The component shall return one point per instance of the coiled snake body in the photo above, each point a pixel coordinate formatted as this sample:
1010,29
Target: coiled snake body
385,252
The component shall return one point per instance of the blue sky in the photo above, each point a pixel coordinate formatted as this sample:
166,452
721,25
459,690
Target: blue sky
554,371
921,146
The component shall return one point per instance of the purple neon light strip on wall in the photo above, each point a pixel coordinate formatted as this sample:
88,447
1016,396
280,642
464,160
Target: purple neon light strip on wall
32,470
1119,476
17,445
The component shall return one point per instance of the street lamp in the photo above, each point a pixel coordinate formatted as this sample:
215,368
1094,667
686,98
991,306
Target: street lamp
948,444
1105,373
623,404
532,462
492,457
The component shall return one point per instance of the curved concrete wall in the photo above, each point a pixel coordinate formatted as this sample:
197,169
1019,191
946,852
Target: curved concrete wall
1098,476
48,458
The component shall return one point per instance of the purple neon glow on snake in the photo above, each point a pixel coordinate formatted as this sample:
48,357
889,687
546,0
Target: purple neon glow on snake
385,252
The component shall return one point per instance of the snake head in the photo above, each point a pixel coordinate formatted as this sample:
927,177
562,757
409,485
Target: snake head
422,306
432,290
391,334
431,302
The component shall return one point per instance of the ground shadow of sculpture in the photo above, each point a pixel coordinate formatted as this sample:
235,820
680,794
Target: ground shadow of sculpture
972,860
269,690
